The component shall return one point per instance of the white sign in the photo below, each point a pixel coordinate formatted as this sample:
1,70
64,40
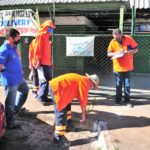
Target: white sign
80,46
23,20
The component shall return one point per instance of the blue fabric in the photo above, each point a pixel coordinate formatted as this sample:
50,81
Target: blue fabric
15,98
12,69
122,78
50,30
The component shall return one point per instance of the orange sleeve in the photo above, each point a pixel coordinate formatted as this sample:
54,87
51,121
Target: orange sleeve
40,45
133,43
31,52
84,87
110,48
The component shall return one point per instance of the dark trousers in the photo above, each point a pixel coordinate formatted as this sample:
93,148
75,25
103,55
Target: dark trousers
122,78
35,80
44,86
61,118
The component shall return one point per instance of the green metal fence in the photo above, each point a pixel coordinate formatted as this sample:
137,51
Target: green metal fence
142,59
99,64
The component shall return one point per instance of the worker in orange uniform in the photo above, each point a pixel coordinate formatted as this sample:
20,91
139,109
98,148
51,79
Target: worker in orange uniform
63,90
43,58
32,64
121,49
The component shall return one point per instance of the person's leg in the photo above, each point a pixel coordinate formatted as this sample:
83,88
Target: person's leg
43,91
60,124
127,87
10,92
118,80
60,127
35,82
68,112
22,94
69,124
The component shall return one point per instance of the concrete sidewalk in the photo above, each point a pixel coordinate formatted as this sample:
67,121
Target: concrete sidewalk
124,128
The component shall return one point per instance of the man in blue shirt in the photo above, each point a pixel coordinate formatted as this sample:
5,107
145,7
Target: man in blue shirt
12,79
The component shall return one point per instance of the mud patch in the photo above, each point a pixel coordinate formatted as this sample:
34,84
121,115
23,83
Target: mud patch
36,133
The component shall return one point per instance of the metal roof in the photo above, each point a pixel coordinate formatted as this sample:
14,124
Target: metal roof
23,2
137,3
140,3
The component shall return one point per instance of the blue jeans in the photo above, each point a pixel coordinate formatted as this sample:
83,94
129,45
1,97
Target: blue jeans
44,86
15,98
122,78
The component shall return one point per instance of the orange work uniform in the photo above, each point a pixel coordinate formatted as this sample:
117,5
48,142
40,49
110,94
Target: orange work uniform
69,86
125,63
64,89
32,53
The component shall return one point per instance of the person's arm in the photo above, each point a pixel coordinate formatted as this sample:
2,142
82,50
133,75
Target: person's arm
3,59
133,47
83,116
111,54
132,51
40,45
1,67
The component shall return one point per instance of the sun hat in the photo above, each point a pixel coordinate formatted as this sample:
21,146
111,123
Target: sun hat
94,78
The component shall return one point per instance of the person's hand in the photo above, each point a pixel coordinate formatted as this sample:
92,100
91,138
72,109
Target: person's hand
121,51
38,64
83,117
30,66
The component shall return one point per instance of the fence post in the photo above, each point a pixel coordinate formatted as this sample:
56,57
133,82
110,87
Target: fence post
133,19
122,7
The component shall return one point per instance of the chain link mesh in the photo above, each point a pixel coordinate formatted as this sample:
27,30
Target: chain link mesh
99,64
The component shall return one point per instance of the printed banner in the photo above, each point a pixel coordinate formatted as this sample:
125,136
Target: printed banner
24,20
80,46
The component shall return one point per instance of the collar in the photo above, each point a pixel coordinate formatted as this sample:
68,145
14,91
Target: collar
9,46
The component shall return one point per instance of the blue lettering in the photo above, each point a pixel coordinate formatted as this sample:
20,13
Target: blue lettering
19,22
1,23
9,23
23,22
16,22
28,22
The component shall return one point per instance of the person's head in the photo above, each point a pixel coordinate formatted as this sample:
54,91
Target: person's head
48,26
94,80
13,36
117,34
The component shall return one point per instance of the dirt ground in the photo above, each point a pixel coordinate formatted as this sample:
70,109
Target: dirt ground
37,126
127,128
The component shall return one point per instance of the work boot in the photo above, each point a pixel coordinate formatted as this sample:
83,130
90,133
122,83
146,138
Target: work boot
18,112
13,126
61,141
129,105
46,102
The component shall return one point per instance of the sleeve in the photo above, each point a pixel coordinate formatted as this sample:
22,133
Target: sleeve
30,52
133,43
83,94
3,56
110,48
40,46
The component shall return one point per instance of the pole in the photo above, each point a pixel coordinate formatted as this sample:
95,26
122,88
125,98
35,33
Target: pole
122,8
53,19
133,19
